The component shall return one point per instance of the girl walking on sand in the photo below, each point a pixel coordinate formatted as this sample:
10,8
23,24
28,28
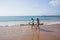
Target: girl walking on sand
38,23
32,21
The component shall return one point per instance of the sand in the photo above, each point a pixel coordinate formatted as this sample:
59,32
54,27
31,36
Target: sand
24,32
50,32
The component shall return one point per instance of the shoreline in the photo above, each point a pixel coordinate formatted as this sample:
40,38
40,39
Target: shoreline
51,23
18,23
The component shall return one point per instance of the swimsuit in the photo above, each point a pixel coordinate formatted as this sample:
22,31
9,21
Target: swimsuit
32,22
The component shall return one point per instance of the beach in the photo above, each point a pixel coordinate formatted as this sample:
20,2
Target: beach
50,32
17,18
24,32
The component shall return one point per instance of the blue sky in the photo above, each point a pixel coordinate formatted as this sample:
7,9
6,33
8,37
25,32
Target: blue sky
29,7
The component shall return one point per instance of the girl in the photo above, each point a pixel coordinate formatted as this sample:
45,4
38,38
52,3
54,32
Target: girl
38,22
32,21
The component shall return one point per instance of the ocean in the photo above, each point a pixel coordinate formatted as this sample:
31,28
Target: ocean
4,20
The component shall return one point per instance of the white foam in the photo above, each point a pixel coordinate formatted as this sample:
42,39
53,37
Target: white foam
25,22
13,23
50,23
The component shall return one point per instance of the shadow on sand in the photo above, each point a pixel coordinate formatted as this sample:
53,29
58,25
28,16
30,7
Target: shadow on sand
46,30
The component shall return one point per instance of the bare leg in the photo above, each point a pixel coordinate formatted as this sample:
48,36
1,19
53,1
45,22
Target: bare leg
38,28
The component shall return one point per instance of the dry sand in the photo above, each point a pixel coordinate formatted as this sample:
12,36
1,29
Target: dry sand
17,32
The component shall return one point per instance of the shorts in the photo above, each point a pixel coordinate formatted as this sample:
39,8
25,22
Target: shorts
32,23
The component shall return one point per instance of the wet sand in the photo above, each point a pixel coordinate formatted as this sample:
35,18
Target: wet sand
50,32
24,32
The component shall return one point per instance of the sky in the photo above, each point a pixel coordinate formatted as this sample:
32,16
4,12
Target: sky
29,7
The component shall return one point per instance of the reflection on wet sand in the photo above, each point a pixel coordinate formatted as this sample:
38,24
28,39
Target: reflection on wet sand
35,34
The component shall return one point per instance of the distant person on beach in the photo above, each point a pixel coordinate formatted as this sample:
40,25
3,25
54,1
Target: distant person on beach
38,23
32,21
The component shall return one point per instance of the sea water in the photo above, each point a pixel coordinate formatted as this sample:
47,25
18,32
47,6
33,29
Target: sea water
6,20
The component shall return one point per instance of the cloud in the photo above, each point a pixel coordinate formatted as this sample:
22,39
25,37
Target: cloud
54,3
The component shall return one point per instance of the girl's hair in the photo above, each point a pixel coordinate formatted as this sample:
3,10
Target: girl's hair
37,18
31,18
